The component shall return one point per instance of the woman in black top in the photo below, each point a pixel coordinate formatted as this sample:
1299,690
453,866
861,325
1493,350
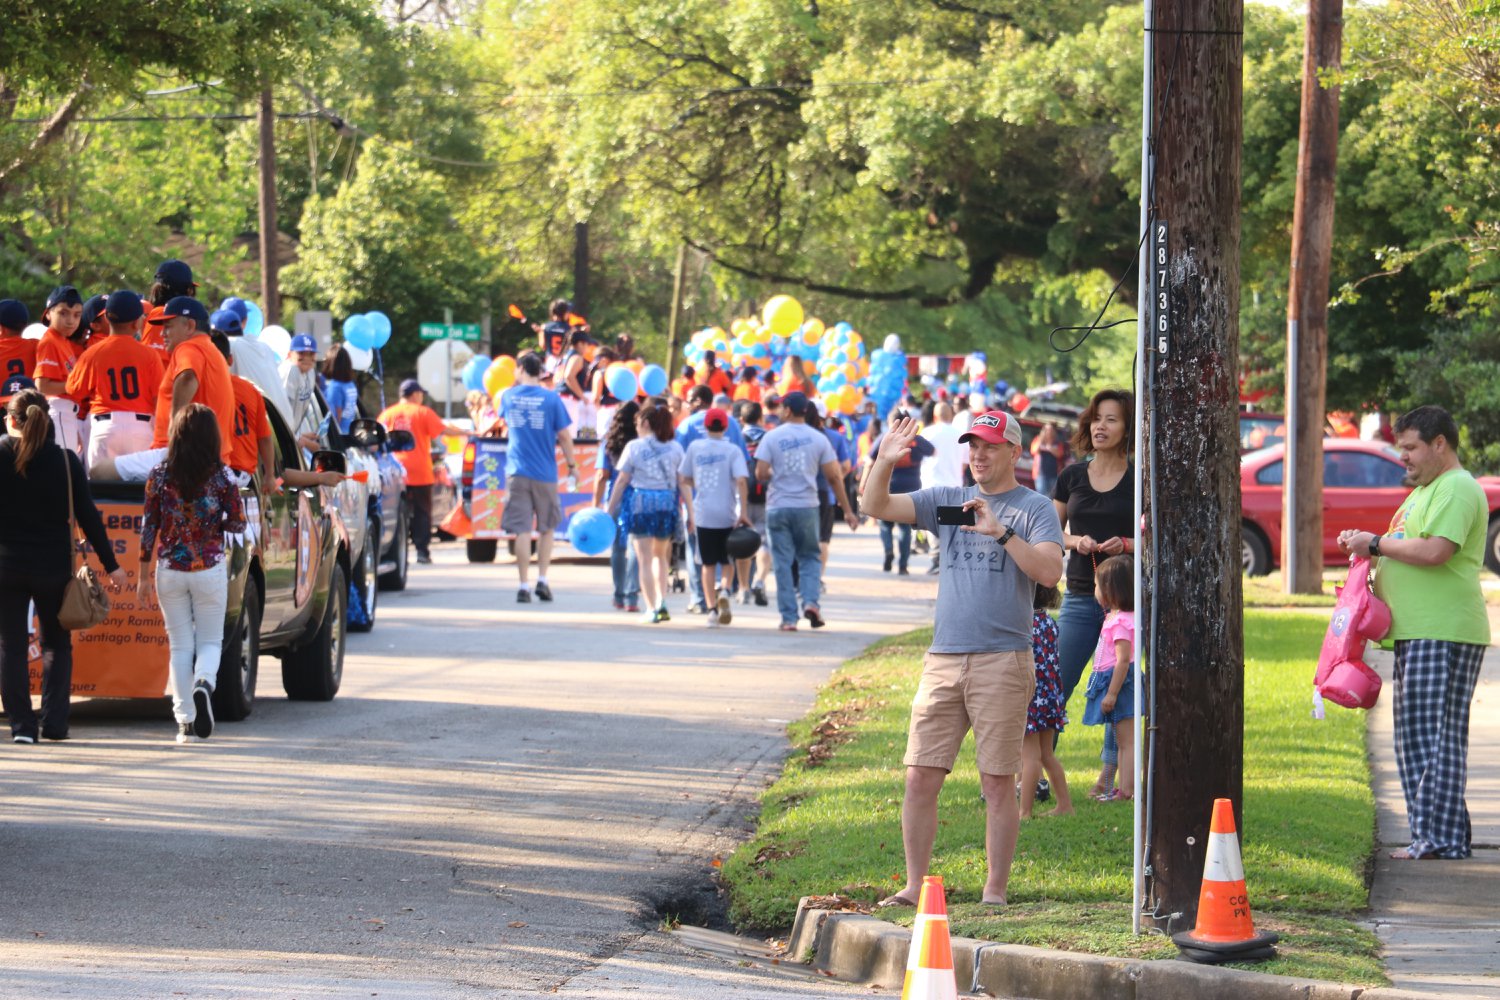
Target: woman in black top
36,562
1095,502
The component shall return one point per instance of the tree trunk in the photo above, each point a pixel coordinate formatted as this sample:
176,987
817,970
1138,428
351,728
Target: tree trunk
52,130
1192,561
1307,304
270,291
581,268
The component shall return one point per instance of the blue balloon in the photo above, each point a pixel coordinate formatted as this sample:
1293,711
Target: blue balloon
238,306
843,329
254,319
358,332
654,380
621,383
591,530
380,326
473,373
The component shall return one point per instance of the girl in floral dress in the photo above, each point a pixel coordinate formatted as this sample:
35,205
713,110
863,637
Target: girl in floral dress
1047,715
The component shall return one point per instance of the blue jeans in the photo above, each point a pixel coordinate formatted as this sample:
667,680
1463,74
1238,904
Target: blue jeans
626,570
886,532
694,571
794,536
1078,627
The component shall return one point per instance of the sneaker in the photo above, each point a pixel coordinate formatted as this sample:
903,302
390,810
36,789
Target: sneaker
888,561
22,738
697,609
760,595
933,570
903,571
725,615
745,596
662,614
1043,790
543,592
184,732
54,737
788,626
633,608
203,721
424,558
812,614
619,605
523,596
713,621
650,617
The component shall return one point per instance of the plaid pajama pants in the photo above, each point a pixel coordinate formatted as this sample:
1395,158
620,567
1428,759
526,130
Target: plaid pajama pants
1434,685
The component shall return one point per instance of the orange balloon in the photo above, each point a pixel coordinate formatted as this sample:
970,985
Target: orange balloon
635,365
1019,402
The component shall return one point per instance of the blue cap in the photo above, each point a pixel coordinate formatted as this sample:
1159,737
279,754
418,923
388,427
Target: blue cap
183,305
15,384
93,308
123,306
410,386
304,342
64,295
227,320
796,403
14,315
236,305
175,273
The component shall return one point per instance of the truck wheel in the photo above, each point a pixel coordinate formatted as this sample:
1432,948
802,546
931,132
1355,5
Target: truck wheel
234,692
313,672
481,550
1492,545
364,589
1255,552
396,578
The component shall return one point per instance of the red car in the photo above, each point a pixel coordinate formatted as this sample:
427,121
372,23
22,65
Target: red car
1361,490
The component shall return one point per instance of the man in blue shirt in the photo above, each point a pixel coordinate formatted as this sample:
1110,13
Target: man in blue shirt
537,425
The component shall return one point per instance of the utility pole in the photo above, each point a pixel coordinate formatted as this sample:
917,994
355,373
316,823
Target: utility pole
270,293
581,267
672,320
1307,304
1193,641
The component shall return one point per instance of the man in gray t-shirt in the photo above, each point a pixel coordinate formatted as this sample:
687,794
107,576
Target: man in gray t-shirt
979,672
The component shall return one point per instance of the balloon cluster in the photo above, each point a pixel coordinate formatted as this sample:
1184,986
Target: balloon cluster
368,331
623,379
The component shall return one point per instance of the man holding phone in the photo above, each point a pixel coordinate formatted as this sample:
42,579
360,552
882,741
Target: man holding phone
998,541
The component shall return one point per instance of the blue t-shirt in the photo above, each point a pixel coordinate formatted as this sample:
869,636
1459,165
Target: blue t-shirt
843,453
906,478
343,403
795,452
533,416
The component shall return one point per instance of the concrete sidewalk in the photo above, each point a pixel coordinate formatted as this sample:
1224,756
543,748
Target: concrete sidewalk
1440,920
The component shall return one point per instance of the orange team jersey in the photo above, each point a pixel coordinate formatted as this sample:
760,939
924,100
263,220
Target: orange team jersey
55,357
748,390
116,375
17,357
151,334
424,424
717,381
681,387
251,425
198,355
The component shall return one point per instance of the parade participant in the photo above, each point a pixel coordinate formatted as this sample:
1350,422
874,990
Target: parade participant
116,381
623,565
36,553
711,375
537,423
828,505
755,582
56,355
173,279
604,401
341,394
906,477
190,508
299,377
648,477
1428,566
17,354
572,382
788,460
714,474
770,405
553,335
683,385
412,415
93,325
748,386
700,400
252,359
251,452
979,672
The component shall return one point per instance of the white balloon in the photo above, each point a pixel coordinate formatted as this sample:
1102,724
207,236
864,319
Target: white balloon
277,339
892,343
35,331
359,357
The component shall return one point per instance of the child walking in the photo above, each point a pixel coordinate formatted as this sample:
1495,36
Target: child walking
190,506
1048,715
1111,695
713,475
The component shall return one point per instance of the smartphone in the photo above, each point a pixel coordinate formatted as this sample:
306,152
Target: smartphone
947,514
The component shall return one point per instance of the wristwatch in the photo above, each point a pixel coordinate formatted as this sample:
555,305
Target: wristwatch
1010,532
1375,544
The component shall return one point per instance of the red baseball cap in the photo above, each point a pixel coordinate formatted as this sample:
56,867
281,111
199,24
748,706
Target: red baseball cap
994,426
715,419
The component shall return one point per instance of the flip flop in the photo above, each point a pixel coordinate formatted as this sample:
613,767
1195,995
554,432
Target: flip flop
1405,854
896,899
998,904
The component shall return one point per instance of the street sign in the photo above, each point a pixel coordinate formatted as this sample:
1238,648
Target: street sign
450,331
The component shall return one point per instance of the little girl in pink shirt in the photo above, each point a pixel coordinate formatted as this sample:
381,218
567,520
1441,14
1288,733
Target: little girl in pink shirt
1111,695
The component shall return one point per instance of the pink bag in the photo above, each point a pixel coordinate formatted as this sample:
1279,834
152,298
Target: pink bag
1358,617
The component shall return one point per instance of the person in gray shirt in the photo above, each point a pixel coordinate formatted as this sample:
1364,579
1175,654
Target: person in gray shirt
979,672
789,459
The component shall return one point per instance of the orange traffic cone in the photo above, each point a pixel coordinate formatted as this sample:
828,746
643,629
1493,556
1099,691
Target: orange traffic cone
1225,931
929,964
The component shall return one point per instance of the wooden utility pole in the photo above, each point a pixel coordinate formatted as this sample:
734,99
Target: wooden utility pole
672,320
1194,612
270,293
581,268
1307,303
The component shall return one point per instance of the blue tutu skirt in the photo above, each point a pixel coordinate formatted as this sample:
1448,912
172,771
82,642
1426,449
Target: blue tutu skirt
1093,711
652,513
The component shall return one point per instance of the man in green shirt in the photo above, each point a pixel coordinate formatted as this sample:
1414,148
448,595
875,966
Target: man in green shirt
1427,570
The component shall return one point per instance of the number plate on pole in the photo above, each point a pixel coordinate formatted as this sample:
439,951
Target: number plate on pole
1161,309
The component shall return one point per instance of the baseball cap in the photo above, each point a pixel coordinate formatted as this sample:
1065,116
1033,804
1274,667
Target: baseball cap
530,363
796,403
304,342
15,384
411,385
715,419
175,273
771,399
236,305
14,315
93,308
64,295
227,320
123,306
994,426
182,305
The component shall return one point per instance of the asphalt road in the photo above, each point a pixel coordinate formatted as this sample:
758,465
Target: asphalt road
500,802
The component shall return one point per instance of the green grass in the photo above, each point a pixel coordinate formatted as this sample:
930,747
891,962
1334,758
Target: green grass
1266,592
835,826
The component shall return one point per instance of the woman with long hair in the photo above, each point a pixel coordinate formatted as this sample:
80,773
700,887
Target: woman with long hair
649,466
341,392
623,564
36,553
190,506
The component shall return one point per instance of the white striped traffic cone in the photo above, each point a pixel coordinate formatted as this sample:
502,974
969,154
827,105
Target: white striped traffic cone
1225,931
929,964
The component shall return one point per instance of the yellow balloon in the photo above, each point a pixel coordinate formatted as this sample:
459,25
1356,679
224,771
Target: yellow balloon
816,326
850,370
500,375
783,314
849,400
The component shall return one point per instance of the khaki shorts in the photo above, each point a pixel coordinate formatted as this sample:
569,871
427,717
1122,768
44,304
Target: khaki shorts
988,692
527,500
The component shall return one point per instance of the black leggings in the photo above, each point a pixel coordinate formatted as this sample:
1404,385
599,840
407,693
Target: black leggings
17,590
420,499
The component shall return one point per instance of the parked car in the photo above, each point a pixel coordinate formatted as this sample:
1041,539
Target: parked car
1361,490
1261,430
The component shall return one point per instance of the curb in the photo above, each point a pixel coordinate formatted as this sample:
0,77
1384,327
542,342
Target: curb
859,948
